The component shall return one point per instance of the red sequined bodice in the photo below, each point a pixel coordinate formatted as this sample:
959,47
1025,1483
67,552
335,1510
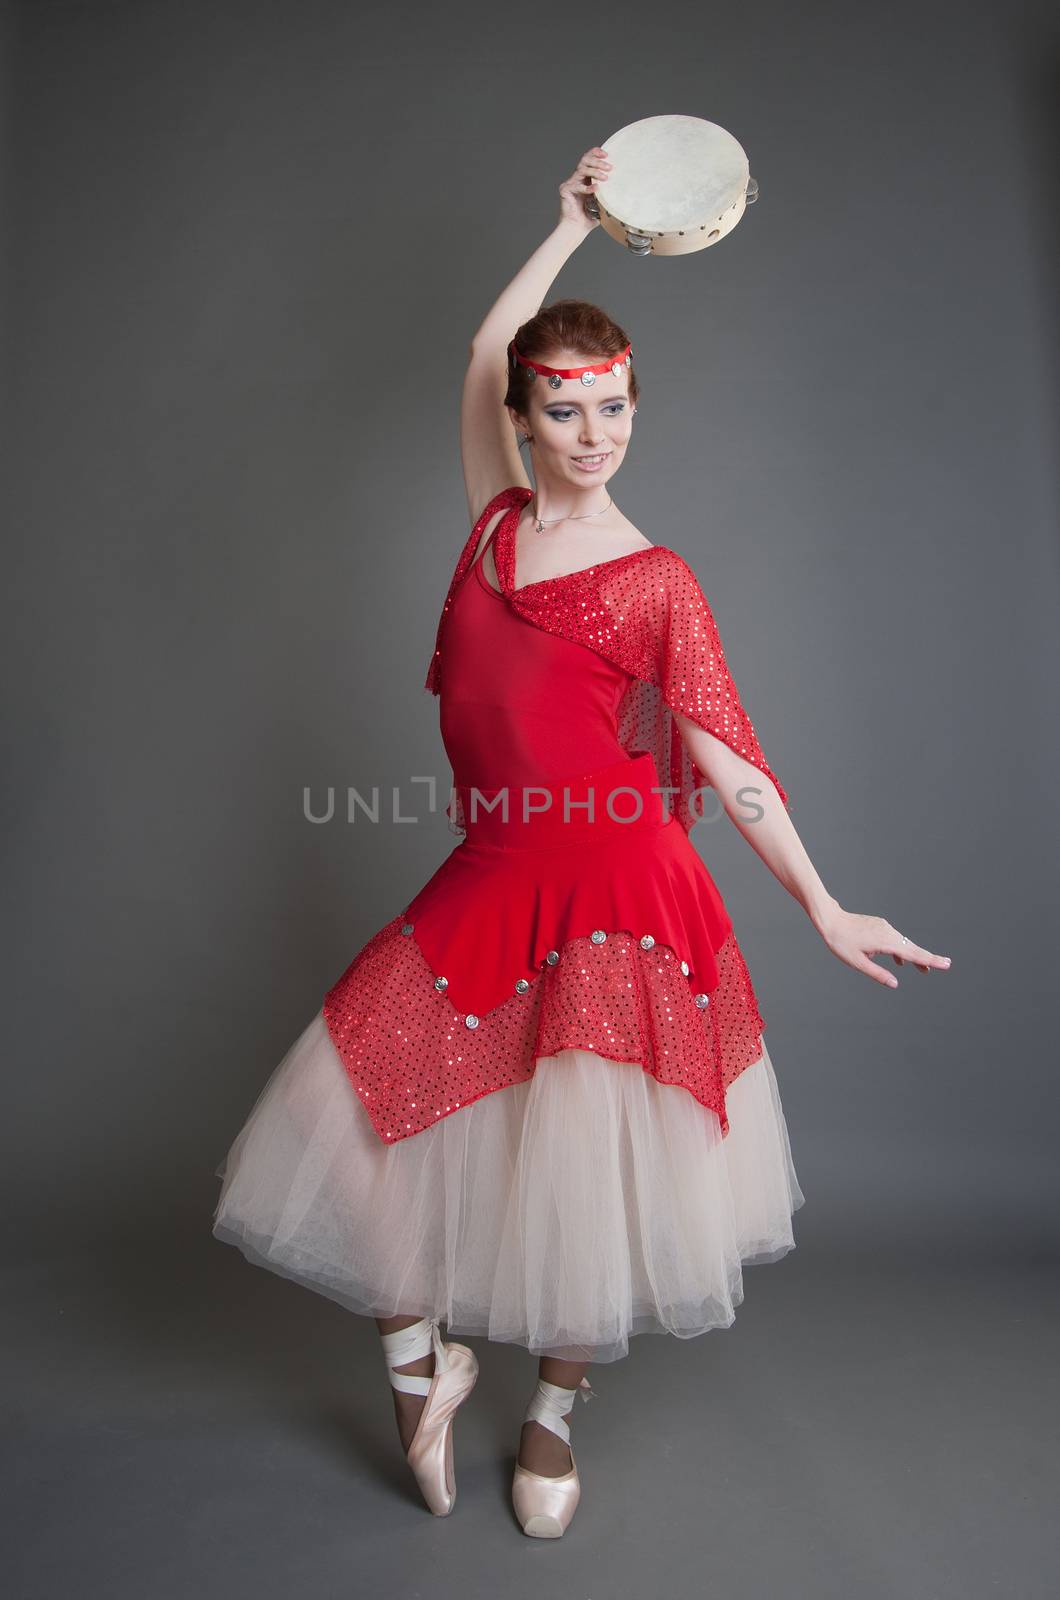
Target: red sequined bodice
535,936
518,705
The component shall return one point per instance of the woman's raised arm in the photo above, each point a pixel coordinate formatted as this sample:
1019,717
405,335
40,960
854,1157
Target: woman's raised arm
488,448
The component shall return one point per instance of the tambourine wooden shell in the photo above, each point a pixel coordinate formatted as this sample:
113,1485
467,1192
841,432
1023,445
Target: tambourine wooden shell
676,184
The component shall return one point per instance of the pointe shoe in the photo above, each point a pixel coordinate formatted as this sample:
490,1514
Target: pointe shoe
430,1453
546,1505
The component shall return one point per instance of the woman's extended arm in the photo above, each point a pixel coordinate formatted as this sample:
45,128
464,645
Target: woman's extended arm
488,448
762,819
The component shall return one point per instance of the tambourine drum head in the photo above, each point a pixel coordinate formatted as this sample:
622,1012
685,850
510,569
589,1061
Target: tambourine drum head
676,184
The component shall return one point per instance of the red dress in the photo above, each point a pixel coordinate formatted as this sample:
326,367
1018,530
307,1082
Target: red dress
560,1018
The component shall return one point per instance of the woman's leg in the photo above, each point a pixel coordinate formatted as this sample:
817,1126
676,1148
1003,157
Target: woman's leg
541,1450
407,1407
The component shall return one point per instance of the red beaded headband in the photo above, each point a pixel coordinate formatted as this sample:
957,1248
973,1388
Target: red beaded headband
588,374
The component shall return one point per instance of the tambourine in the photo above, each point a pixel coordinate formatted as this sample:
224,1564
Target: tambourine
676,184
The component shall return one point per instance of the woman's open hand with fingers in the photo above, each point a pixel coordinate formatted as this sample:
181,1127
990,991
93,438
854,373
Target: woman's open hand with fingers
586,178
855,939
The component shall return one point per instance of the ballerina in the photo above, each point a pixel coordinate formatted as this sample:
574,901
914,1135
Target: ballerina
538,1104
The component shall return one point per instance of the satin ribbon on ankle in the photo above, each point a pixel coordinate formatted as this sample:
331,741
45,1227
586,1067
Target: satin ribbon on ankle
549,1403
408,1344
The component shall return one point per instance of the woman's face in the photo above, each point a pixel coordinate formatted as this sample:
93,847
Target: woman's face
578,420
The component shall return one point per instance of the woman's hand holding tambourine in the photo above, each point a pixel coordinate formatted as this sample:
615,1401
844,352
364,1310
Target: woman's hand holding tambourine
592,169
677,184
855,938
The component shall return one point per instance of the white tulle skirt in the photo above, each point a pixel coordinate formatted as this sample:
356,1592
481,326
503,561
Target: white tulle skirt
564,1213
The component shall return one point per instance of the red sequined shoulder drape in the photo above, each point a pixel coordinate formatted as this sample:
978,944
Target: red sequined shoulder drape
647,613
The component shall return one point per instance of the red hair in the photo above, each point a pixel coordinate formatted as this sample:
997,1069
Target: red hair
575,325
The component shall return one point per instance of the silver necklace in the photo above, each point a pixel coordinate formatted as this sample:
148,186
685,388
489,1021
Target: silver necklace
548,522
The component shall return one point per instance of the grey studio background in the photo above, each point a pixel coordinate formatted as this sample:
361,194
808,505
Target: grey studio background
247,246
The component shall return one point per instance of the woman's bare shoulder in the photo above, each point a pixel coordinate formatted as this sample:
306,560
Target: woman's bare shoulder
627,537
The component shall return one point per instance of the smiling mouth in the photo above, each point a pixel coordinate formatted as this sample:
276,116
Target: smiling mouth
601,455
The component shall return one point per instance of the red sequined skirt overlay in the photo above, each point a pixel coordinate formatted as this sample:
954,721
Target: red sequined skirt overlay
583,919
